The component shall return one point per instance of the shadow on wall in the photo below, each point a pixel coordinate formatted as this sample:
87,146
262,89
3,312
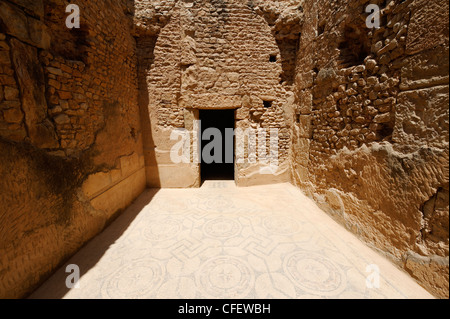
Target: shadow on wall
354,47
75,44
289,52
44,215
88,257
145,52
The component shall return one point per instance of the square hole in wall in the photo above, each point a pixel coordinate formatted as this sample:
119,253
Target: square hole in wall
267,104
273,58
354,46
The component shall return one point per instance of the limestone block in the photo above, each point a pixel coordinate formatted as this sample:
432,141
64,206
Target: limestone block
242,113
43,135
429,25
39,35
150,157
13,115
426,268
174,176
251,176
35,7
96,183
302,148
383,118
129,164
305,100
14,20
305,80
62,119
302,173
11,93
335,201
116,175
211,101
25,28
120,195
32,88
426,69
163,157
422,117
305,126
4,57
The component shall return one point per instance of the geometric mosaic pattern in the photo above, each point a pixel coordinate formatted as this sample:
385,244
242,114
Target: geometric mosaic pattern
225,242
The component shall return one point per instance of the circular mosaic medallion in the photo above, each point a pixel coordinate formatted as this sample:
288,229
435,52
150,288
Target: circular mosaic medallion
225,277
315,274
134,280
219,204
282,225
222,228
168,204
162,230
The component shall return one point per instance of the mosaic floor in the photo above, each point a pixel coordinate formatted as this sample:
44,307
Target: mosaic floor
224,242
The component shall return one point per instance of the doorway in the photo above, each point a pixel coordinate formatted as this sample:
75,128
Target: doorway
219,162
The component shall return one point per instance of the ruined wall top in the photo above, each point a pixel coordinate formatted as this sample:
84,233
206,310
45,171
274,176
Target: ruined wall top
285,17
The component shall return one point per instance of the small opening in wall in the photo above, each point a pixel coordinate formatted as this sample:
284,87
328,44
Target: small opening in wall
273,58
316,72
354,46
267,104
387,131
321,28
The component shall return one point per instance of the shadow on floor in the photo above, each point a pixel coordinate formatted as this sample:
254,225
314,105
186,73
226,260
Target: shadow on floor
92,252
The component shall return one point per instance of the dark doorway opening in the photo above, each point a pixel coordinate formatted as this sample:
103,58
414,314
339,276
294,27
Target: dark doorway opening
220,120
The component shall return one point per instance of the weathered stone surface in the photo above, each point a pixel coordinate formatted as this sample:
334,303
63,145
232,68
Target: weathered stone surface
429,26
214,62
13,115
86,116
46,215
427,68
11,93
25,28
378,156
39,34
35,7
31,83
422,117
62,119
4,57
15,21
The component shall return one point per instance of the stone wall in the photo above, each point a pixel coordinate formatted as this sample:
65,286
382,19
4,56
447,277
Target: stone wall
198,55
371,140
71,149
86,116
